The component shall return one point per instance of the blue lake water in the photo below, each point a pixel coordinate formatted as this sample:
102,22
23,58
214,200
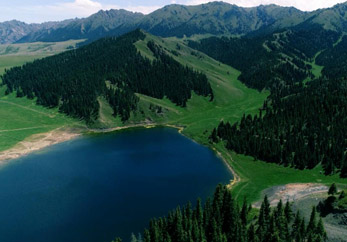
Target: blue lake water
96,188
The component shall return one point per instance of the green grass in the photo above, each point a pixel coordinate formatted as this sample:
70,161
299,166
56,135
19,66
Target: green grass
37,48
21,117
316,69
232,98
6,62
257,176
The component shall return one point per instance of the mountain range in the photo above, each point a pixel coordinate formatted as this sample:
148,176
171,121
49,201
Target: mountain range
216,18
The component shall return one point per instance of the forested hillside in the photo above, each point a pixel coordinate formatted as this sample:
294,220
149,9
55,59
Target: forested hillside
334,60
110,67
300,125
270,60
221,219
305,128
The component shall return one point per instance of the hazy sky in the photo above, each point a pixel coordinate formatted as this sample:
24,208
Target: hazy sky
37,11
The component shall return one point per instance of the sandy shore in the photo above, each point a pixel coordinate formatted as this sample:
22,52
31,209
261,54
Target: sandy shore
236,177
37,142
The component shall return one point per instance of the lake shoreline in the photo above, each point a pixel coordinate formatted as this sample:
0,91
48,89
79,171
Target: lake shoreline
40,141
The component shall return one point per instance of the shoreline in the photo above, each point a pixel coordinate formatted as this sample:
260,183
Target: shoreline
40,141
37,142
236,178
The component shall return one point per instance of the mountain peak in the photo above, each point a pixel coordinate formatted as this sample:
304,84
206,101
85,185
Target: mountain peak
216,18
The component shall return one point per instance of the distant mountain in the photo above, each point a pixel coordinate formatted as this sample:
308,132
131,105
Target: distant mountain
216,18
12,31
334,18
101,24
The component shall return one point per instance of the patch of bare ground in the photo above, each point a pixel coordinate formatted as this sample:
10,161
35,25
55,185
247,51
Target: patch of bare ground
291,192
335,224
37,142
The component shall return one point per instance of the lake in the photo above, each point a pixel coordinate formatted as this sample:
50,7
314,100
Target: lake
98,187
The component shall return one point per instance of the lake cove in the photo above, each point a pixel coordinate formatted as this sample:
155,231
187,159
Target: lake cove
98,187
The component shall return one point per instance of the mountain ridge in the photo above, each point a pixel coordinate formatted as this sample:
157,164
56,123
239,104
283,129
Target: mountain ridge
217,18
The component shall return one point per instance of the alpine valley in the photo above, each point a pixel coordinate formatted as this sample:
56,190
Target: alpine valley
265,88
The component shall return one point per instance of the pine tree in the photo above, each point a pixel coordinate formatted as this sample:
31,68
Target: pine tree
133,238
311,227
288,212
213,137
332,189
244,211
147,236
320,230
251,233
296,235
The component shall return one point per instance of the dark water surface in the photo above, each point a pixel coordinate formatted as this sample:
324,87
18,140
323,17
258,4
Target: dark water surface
96,188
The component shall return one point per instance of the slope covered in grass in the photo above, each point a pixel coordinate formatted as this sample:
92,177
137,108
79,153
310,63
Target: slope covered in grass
231,98
21,117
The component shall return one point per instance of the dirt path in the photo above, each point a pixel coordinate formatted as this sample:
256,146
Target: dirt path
291,192
13,130
159,104
27,108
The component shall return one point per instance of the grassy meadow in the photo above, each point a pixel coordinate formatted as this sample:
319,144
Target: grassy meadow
21,117
257,176
231,98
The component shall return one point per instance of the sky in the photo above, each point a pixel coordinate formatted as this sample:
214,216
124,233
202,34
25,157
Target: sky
38,11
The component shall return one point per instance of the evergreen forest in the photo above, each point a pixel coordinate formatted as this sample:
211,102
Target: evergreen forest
220,219
110,67
301,124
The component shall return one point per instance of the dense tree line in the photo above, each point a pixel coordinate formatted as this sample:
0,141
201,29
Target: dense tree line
75,79
336,202
301,126
334,60
271,59
221,219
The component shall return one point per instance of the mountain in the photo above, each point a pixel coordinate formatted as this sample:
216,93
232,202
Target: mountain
101,24
216,18
12,31
334,18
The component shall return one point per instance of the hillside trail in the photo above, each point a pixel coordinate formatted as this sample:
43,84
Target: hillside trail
27,108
